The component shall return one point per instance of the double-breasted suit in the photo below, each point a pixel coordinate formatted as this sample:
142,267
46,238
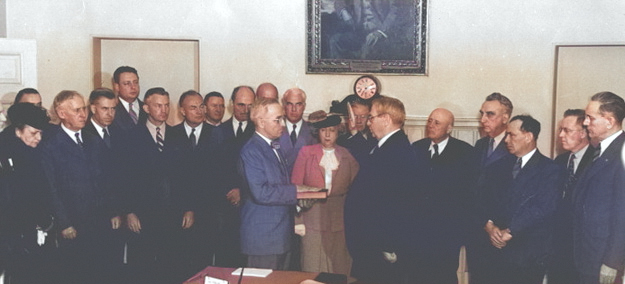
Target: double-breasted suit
599,208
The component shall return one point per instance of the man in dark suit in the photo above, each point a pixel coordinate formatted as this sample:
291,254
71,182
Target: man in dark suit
160,206
443,200
358,140
521,227
492,159
78,190
102,104
269,198
574,138
215,108
598,197
200,162
379,209
232,135
297,132
129,111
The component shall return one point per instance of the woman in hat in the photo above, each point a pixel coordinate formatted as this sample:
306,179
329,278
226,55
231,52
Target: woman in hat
23,202
324,165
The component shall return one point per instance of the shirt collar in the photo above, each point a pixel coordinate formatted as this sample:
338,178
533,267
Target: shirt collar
135,104
527,157
98,128
383,140
441,145
289,126
498,139
71,133
606,142
187,128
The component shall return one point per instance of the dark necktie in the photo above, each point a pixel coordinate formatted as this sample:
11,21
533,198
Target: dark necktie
597,153
132,113
517,168
571,177
491,146
435,154
159,139
106,137
192,138
240,129
294,135
78,141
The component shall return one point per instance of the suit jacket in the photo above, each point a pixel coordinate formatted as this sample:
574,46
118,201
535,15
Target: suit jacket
494,174
599,204
304,138
122,117
75,179
443,201
268,200
527,207
155,187
563,161
324,215
379,209
230,149
358,145
200,164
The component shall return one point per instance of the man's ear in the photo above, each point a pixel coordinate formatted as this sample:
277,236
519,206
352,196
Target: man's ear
145,108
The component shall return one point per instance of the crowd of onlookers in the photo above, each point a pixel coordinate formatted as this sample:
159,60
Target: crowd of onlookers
112,194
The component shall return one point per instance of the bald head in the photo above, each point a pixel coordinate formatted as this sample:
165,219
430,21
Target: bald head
439,125
266,91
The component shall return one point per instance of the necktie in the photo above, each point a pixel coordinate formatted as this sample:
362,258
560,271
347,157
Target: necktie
571,177
192,138
597,153
491,146
240,129
78,140
132,113
435,153
275,145
159,139
106,138
294,135
517,168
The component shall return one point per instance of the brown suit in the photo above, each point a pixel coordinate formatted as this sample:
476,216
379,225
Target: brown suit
323,246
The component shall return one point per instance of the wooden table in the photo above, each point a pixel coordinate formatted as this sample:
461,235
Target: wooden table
281,277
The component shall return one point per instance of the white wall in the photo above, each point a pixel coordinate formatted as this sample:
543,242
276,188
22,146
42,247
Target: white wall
475,47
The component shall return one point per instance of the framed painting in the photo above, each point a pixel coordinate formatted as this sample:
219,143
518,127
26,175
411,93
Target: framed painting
367,36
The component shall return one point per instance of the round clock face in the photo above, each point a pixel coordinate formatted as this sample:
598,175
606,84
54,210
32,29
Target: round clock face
365,87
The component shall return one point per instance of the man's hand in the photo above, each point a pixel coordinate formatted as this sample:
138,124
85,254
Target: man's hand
188,220
495,234
300,229
607,275
390,256
116,222
69,233
373,37
134,224
234,196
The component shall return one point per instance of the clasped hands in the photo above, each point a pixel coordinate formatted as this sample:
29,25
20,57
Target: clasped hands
498,238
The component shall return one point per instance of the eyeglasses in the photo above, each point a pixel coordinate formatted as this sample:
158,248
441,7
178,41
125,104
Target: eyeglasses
371,117
569,131
364,117
279,120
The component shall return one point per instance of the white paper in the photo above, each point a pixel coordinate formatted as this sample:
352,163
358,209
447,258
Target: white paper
254,272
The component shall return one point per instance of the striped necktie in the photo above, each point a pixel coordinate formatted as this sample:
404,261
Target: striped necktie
132,113
159,139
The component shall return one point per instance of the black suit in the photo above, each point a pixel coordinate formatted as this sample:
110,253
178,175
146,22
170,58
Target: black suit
494,174
201,174
80,199
228,251
526,206
599,208
158,197
562,269
358,145
442,206
380,212
123,119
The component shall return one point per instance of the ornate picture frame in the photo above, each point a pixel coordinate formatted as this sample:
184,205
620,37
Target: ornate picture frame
367,36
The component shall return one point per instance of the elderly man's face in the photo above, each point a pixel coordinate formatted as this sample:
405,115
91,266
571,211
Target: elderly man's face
272,122
242,104
438,125
73,113
598,125
361,113
493,118
294,106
